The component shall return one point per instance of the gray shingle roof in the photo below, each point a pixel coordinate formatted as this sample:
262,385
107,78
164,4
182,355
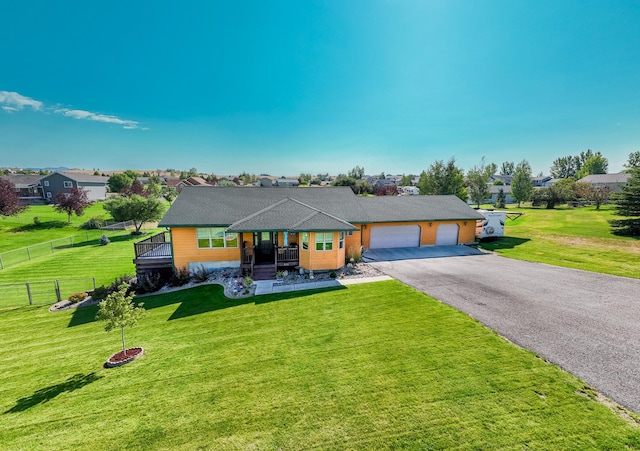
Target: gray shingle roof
300,209
291,215
80,177
417,208
620,177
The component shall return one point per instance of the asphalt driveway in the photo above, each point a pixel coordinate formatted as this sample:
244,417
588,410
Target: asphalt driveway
587,323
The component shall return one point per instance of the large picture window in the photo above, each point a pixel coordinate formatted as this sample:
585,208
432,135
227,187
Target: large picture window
215,237
324,241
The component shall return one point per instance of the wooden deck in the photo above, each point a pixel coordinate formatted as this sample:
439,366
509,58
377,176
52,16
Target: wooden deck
153,255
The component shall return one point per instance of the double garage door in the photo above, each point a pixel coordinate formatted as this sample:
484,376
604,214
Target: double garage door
383,237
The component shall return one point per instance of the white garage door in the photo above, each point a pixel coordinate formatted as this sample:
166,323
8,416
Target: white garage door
395,236
447,234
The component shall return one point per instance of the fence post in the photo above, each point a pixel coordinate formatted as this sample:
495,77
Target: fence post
28,252
71,239
57,285
1,263
52,247
94,283
29,294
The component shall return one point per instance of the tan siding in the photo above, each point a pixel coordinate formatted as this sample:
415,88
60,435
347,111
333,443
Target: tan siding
427,232
325,260
185,249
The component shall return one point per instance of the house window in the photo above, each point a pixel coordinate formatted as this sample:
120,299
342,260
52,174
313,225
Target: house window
46,183
341,240
215,237
48,194
350,233
324,241
305,240
68,184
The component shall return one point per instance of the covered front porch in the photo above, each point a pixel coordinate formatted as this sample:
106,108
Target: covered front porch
262,254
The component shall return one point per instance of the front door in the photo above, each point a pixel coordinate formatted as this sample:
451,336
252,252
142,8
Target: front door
263,243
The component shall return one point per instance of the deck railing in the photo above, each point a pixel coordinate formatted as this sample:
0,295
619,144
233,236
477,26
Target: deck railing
287,256
154,246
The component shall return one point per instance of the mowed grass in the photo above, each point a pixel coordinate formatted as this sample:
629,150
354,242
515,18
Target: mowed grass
85,260
374,366
20,230
577,238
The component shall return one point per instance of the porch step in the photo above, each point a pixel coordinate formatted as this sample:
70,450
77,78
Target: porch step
264,272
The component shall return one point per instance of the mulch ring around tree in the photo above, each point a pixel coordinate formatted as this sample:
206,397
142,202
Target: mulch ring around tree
121,358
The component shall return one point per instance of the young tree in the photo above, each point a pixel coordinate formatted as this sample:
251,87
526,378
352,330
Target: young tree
118,310
521,184
478,182
500,199
596,164
597,195
135,208
406,180
9,199
627,204
75,200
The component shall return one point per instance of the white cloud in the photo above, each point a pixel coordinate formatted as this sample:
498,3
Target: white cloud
12,101
88,115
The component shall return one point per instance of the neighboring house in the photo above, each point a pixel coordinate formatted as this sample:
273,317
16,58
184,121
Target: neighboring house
541,181
614,182
61,182
265,181
27,187
286,182
410,190
261,230
505,179
383,184
191,181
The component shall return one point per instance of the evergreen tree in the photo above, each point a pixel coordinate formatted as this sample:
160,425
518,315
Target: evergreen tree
627,204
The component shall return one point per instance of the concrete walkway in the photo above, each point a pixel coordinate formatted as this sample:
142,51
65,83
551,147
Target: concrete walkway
274,286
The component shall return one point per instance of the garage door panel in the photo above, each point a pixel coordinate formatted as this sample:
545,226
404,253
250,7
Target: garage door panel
447,234
394,236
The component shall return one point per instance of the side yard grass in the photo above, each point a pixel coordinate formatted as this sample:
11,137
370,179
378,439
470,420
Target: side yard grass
374,366
577,238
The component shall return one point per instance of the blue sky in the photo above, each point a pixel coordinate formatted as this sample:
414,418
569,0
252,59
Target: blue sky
285,87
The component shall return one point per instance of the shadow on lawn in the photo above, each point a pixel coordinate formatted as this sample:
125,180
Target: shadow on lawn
195,301
42,226
47,394
506,242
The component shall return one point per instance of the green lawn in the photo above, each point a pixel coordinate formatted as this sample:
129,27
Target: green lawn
20,231
374,366
86,259
571,237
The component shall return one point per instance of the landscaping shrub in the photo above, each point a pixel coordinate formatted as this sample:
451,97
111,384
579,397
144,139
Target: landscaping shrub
180,277
77,297
247,281
104,240
149,283
36,221
355,253
95,222
201,274
99,293
125,278
333,274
